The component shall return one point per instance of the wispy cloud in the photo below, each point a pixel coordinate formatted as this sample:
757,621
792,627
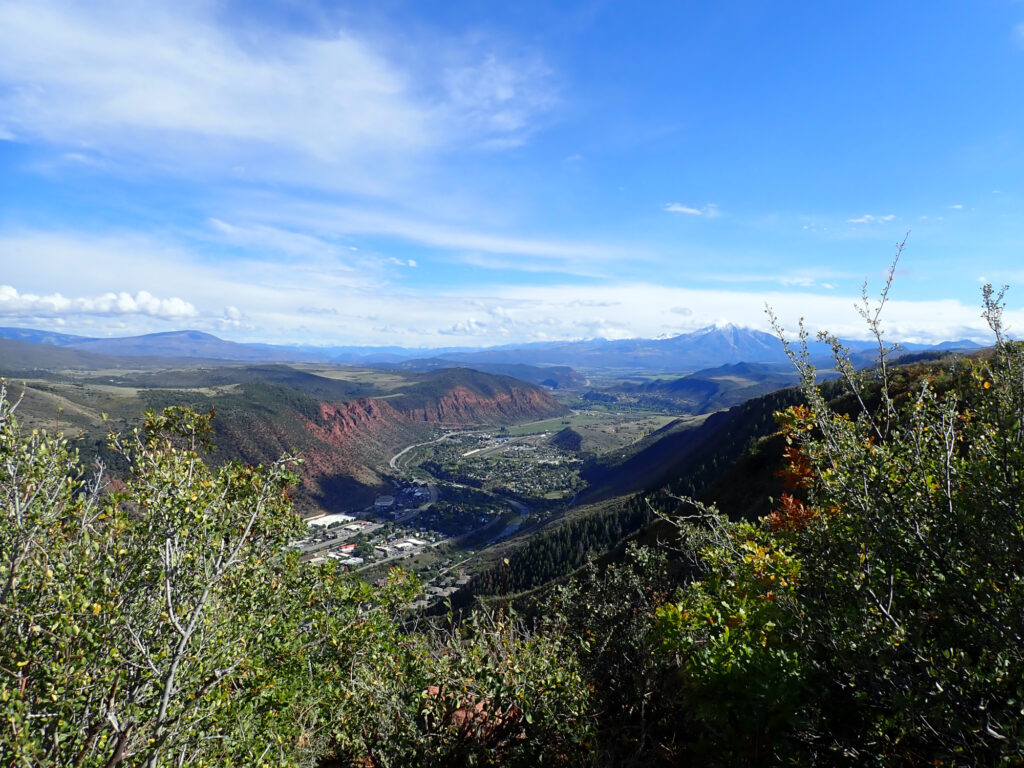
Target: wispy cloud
957,207
129,69
267,301
173,86
258,238
497,99
709,211
577,267
868,218
342,221
807,278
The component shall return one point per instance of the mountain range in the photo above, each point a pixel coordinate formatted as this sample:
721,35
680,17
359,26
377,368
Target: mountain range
704,348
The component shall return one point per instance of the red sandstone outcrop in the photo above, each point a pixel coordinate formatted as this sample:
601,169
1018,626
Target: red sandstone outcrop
462,407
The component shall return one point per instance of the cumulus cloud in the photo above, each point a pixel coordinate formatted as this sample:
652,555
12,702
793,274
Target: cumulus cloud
468,327
709,211
232,319
15,304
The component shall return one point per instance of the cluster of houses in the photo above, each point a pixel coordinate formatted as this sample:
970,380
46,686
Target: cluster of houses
330,534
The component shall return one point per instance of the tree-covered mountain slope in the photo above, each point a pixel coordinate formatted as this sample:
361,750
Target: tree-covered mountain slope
344,423
872,617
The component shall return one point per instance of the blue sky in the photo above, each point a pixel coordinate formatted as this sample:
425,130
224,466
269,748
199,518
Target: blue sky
466,173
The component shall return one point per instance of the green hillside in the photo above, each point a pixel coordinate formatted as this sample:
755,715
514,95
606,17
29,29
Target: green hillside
856,598
266,411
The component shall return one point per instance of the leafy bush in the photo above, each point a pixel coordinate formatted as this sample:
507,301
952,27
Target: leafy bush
877,615
161,619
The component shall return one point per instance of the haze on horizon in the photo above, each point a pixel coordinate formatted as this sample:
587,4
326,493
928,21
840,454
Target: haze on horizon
465,174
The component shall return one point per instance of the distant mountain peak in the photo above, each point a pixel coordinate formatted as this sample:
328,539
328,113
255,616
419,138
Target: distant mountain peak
725,328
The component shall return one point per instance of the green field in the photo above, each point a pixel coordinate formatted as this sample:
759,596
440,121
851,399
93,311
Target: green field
382,380
599,429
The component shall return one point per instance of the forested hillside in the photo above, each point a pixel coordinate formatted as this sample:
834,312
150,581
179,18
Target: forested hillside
872,617
732,457
346,423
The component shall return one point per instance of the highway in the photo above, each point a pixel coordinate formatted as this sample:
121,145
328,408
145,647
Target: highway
394,459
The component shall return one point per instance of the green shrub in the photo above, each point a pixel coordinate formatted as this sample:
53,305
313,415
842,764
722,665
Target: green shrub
894,566
161,618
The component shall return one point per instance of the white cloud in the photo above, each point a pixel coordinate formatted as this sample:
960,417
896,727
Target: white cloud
709,211
645,309
15,304
680,208
806,278
288,302
335,221
497,99
578,267
88,70
262,238
957,207
867,218
172,85
469,327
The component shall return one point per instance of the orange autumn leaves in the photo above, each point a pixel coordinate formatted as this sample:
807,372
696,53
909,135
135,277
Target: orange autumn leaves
797,474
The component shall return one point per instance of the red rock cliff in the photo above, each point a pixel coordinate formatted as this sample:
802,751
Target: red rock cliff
463,407
363,431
